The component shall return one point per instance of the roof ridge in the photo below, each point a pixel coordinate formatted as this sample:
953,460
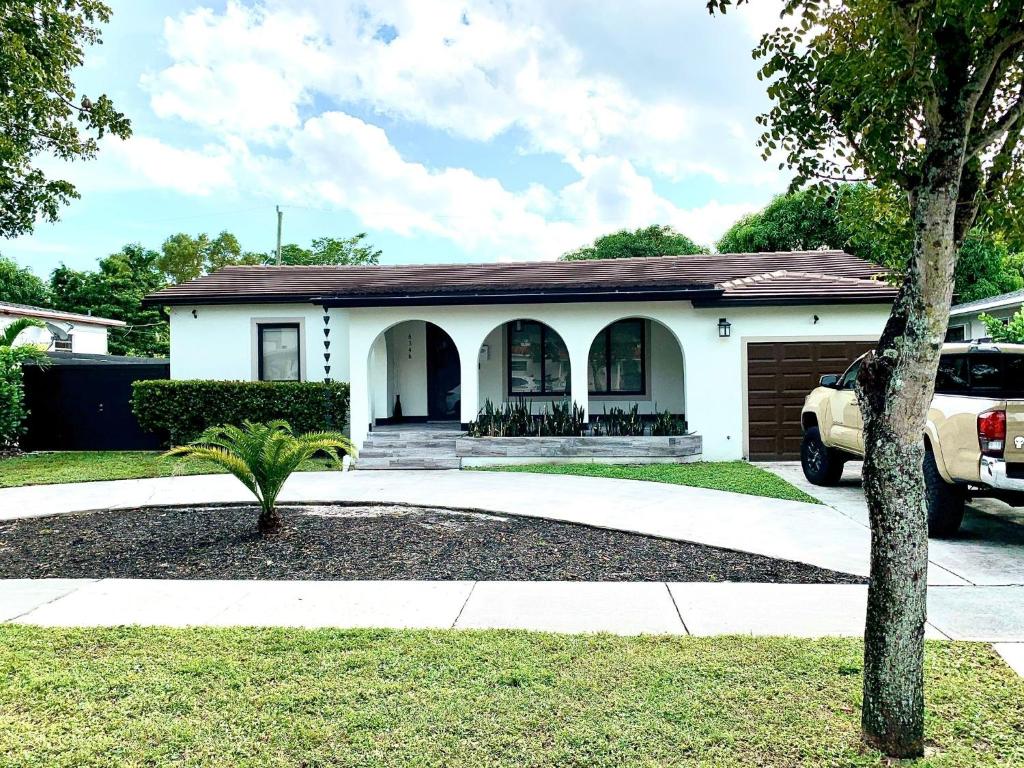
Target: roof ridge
717,256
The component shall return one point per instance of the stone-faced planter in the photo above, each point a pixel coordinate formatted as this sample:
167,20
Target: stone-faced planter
484,451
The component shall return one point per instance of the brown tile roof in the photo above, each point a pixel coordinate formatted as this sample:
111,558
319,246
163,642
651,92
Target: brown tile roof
739,278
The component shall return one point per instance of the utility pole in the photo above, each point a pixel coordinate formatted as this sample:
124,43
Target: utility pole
280,215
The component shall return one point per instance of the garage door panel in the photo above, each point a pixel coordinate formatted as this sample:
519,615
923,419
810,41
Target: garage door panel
779,376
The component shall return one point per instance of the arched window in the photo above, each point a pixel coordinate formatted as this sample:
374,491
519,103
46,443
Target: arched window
617,360
537,361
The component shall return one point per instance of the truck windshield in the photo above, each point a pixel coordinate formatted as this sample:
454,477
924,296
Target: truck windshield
996,375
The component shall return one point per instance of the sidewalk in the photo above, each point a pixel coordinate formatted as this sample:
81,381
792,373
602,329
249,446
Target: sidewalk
802,610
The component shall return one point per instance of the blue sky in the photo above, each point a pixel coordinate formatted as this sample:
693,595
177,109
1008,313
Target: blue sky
449,131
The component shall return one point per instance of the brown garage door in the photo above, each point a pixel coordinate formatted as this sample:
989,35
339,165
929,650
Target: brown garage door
779,376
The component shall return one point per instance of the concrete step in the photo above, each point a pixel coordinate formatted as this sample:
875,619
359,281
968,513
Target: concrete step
419,446
408,462
376,451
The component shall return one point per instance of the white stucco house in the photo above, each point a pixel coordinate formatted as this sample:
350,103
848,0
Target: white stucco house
61,331
733,342
964,319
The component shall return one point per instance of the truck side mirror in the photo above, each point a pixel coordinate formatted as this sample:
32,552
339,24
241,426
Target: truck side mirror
829,380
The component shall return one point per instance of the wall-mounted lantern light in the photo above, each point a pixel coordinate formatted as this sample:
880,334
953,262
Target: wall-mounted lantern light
724,328
195,313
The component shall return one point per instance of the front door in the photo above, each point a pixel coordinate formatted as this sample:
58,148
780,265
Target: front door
443,390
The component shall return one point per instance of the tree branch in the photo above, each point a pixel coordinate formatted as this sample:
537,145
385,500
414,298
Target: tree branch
992,132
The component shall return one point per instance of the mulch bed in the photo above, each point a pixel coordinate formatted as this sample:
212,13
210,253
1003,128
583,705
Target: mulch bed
366,542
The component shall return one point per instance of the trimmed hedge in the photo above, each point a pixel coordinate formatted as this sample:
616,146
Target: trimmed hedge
181,410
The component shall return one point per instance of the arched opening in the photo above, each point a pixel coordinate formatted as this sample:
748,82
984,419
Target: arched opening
524,358
636,362
415,375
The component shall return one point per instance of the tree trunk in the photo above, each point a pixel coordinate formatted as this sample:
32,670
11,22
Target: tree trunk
897,382
270,520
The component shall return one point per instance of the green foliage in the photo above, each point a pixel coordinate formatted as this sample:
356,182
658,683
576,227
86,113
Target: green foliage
262,457
21,286
41,114
184,257
10,333
656,240
116,290
616,422
873,224
1010,333
667,424
733,476
185,409
12,398
516,419
799,221
510,419
563,420
985,268
328,251
12,388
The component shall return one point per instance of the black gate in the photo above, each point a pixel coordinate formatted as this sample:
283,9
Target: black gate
83,403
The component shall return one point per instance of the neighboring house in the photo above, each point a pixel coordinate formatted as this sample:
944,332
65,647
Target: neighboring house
733,342
62,331
964,322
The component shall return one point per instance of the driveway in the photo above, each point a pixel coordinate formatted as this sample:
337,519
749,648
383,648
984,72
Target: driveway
975,583
989,550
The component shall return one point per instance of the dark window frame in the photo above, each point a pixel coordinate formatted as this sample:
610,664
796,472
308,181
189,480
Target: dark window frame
607,333
544,392
260,327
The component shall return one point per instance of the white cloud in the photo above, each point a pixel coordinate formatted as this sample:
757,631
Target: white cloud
274,87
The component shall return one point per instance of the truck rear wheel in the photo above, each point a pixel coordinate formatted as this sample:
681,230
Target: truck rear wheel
945,501
822,465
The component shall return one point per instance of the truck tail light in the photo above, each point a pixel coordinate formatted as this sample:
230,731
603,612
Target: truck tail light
992,432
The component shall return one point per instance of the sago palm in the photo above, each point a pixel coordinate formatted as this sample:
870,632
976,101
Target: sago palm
263,457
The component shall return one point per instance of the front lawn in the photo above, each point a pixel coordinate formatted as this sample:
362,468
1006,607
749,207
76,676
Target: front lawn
230,697
80,466
735,476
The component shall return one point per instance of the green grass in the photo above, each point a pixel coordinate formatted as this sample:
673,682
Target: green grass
735,476
80,466
248,697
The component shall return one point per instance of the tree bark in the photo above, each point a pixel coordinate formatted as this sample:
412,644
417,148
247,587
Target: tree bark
269,521
896,384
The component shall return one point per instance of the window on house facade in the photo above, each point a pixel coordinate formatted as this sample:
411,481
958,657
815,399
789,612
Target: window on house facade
538,361
277,345
62,344
617,359
956,333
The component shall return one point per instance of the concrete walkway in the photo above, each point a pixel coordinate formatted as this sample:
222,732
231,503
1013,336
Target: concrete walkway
802,610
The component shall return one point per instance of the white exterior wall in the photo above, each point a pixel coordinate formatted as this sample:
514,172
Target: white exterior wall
715,368
219,342
86,338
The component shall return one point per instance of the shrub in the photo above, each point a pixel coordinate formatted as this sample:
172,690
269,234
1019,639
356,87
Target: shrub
516,419
183,410
667,424
616,422
12,399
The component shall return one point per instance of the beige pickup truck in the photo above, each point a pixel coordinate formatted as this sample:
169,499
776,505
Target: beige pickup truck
974,438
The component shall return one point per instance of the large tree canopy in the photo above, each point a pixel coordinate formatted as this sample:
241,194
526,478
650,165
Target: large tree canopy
41,115
19,285
116,290
873,224
329,251
925,97
184,257
656,240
